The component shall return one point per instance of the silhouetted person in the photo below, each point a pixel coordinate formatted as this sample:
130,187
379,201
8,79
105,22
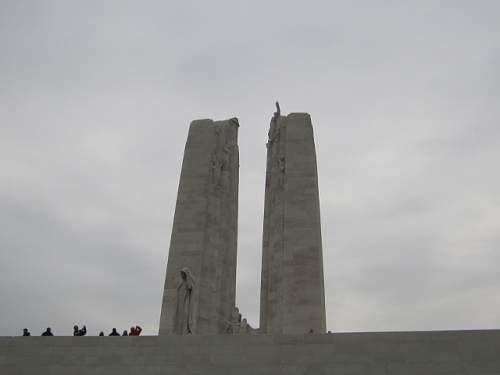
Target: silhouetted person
125,333
135,331
48,332
79,332
114,333
26,332
101,333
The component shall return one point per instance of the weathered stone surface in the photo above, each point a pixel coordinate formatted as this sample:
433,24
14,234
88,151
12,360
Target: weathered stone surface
395,353
292,287
204,232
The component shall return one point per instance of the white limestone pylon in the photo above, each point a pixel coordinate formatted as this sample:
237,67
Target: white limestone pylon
292,285
204,232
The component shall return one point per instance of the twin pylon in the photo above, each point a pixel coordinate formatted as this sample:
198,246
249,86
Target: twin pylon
199,293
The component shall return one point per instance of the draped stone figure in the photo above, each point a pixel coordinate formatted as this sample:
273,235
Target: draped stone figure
244,327
234,323
183,312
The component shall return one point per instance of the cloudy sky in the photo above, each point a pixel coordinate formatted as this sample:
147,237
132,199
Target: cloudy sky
95,102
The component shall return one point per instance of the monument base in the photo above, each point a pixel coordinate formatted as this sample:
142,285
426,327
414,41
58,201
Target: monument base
446,352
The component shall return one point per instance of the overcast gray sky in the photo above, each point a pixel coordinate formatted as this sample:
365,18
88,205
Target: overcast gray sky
95,103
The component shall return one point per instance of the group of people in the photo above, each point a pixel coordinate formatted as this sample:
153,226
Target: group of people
47,332
134,331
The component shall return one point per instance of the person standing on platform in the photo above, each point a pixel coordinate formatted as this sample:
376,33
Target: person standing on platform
48,332
79,332
135,331
114,333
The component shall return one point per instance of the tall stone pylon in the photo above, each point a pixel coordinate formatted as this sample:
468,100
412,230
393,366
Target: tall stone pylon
204,232
292,287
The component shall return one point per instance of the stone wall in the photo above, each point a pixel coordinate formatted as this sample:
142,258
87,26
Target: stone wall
401,353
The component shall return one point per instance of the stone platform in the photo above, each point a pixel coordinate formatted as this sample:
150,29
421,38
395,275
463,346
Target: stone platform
402,353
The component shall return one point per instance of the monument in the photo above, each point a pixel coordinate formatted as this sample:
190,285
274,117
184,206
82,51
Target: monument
200,286
292,289
199,294
202,331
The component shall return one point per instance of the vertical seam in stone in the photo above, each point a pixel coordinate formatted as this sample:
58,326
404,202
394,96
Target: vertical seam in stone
282,175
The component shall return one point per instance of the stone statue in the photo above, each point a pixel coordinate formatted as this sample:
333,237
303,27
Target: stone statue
216,169
237,325
281,164
244,327
234,121
233,324
273,134
183,312
278,110
225,168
